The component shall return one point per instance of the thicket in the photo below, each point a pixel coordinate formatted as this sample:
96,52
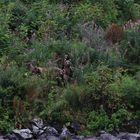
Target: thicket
102,39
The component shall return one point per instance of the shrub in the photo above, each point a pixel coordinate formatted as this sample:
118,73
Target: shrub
97,121
131,88
109,12
100,120
89,11
5,36
125,8
119,118
6,120
130,48
136,11
104,90
93,36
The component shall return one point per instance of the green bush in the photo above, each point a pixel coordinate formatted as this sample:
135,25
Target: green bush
6,120
109,11
104,90
100,120
125,8
130,50
136,11
119,118
97,121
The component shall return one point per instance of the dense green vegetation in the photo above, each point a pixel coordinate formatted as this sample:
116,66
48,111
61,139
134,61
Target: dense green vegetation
103,92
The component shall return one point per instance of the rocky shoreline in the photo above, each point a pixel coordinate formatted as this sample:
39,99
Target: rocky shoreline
38,131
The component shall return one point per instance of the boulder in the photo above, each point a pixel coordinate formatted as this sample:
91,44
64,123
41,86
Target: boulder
51,131
91,138
37,122
65,135
78,137
129,136
13,136
1,138
37,126
23,133
52,138
133,136
107,136
44,136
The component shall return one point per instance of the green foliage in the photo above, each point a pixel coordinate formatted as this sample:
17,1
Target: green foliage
10,84
136,11
89,12
104,89
119,117
127,9
5,36
109,11
130,49
6,121
101,121
97,121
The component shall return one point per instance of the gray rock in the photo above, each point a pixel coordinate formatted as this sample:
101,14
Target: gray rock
42,137
91,138
1,138
47,133
51,131
52,138
134,136
129,136
78,137
122,135
107,137
45,137
13,136
65,135
37,126
24,133
37,122
36,130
